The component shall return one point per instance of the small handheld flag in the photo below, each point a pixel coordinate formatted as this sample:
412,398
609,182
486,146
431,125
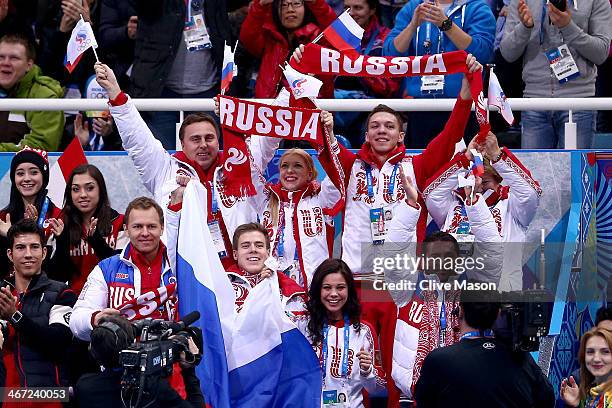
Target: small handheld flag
344,34
478,166
229,69
81,39
497,98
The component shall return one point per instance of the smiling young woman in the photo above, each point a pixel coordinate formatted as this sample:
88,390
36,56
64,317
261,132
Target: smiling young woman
93,230
28,198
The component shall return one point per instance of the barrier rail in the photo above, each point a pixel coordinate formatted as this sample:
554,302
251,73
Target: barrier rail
334,105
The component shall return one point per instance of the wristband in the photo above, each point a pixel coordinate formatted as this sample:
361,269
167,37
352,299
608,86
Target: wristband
498,158
16,317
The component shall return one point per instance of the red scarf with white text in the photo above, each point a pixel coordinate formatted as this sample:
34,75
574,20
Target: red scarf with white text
241,117
318,60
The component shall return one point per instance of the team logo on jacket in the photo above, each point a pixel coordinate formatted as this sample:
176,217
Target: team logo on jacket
335,367
122,276
241,293
412,313
361,188
312,221
119,294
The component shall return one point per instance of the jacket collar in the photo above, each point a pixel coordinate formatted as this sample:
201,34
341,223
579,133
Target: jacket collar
367,155
313,188
203,175
38,282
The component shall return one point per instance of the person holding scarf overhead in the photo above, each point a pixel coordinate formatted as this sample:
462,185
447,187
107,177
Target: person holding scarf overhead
297,211
365,13
199,159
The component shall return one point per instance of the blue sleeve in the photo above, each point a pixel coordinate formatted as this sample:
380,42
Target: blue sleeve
480,25
402,20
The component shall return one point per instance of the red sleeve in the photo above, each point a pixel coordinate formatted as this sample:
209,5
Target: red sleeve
440,150
251,34
121,99
322,12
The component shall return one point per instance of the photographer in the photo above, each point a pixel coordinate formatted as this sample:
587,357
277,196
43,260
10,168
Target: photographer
467,373
112,335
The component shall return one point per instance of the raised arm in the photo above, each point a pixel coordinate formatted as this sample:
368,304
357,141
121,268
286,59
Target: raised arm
441,148
150,158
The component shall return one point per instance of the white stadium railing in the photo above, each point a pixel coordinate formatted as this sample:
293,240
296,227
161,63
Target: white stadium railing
334,105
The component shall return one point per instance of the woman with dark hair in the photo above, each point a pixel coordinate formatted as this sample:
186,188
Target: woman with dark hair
274,28
595,358
93,230
28,199
344,344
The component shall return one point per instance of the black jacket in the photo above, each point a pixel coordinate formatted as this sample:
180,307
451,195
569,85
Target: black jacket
117,47
103,390
43,334
160,31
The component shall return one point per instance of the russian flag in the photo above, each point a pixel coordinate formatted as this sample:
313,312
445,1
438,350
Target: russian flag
345,34
271,363
203,286
81,39
72,157
229,69
256,358
478,165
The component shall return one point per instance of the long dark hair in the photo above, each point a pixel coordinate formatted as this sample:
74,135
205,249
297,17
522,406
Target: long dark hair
316,309
74,218
16,208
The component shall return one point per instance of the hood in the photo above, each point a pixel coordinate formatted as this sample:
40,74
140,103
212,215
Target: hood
34,77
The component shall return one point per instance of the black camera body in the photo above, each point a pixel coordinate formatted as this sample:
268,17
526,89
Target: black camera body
524,319
151,358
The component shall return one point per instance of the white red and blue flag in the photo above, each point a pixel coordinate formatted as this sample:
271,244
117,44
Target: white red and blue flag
81,39
229,70
478,165
256,358
345,34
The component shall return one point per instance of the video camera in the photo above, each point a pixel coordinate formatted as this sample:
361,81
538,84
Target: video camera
525,317
152,357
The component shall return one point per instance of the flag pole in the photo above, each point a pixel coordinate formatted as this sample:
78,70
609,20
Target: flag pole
93,48
490,66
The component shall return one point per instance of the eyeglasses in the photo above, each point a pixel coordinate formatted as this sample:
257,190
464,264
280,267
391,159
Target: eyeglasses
293,4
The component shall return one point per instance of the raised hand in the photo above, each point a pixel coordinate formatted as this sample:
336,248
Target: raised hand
525,14
107,80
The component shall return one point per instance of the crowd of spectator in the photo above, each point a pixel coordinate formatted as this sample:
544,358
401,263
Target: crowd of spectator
173,49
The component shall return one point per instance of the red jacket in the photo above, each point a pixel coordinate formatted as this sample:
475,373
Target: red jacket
261,37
